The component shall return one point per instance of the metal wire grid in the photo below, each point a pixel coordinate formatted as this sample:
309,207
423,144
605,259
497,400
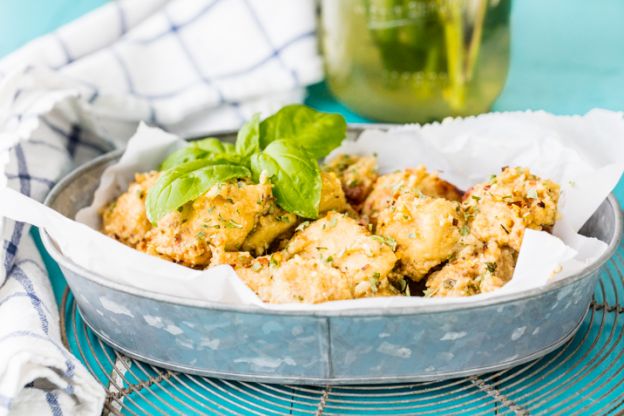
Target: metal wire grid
585,376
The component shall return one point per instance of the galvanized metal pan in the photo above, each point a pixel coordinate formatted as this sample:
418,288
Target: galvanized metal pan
333,347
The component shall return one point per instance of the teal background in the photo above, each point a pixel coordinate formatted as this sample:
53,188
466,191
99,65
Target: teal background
567,57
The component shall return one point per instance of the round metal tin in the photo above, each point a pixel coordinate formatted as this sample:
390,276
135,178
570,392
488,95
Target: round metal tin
363,346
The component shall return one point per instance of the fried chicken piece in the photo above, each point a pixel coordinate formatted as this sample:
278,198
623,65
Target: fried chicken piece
229,217
232,258
333,258
125,219
357,175
345,244
424,229
276,223
415,180
221,218
258,274
478,268
308,280
332,196
510,202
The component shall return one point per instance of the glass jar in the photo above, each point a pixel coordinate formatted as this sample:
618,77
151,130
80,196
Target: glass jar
416,60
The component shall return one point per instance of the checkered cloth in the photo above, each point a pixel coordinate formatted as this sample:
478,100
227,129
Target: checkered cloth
186,66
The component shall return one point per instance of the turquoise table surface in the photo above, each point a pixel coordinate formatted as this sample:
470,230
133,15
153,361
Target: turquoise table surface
567,58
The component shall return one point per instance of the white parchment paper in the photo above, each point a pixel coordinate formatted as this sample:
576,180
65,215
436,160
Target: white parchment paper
585,155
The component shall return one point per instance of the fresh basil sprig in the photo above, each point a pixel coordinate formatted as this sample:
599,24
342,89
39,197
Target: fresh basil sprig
285,146
209,148
183,183
295,176
319,133
248,138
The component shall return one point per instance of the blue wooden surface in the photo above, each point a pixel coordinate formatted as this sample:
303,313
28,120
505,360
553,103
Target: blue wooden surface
566,59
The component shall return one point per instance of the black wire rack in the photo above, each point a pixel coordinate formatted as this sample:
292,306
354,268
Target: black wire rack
584,376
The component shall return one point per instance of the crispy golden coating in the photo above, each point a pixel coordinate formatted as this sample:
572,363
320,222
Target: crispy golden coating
307,280
477,268
345,244
422,231
357,175
229,217
276,223
501,209
417,180
425,230
332,258
332,196
222,218
125,218
233,258
258,274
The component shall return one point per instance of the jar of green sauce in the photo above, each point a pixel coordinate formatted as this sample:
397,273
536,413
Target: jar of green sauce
416,60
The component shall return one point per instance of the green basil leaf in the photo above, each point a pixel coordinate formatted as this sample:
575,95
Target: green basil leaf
248,139
257,165
183,155
319,133
211,145
295,176
183,183
211,148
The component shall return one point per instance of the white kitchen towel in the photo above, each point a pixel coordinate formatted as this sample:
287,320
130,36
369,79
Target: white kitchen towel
189,67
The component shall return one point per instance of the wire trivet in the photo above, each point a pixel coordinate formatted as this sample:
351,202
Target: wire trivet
585,376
